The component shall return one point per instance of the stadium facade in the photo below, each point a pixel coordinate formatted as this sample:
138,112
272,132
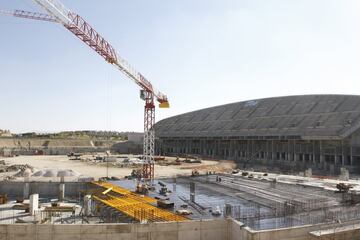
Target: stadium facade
291,132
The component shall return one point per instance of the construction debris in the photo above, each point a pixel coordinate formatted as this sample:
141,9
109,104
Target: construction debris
15,167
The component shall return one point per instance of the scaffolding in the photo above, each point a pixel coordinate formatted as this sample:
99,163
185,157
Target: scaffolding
133,205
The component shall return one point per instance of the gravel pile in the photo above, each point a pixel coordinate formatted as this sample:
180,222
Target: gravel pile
55,173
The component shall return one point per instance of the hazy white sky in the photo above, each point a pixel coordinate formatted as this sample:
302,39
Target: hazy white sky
200,53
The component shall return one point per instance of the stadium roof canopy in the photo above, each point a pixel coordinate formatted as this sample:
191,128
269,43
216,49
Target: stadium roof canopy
290,117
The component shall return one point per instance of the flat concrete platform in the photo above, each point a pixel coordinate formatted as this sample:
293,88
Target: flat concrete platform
257,203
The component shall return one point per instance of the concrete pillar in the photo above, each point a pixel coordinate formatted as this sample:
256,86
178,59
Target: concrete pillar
252,149
336,159
61,192
232,149
322,159
300,152
351,156
192,191
228,211
34,203
272,150
313,153
26,190
294,152
247,150
288,151
174,184
87,205
342,154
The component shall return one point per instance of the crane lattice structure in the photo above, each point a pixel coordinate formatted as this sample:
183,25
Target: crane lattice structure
57,12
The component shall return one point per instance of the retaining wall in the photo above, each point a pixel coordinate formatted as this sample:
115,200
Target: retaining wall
44,189
195,230
222,229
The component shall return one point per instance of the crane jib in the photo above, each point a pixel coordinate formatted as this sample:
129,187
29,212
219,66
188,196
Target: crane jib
80,28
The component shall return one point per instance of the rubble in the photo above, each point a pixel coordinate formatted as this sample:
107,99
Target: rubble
16,167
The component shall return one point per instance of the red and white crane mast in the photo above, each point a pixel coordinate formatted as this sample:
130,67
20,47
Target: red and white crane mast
80,28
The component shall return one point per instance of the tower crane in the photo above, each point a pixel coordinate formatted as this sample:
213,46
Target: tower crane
58,13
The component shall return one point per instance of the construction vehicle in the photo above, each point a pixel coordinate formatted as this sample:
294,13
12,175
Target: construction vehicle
343,188
142,188
58,13
195,173
216,211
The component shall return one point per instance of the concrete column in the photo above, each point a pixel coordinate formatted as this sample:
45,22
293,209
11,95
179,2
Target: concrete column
61,192
336,159
272,150
313,153
288,155
34,203
322,159
247,151
26,190
192,191
351,156
87,205
174,184
233,149
252,149
300,152
296,157
294,151
342,153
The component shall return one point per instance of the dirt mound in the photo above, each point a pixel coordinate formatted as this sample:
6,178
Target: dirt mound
221,166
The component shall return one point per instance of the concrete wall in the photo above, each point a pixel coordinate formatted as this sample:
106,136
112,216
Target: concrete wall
44,189
193,230
209,230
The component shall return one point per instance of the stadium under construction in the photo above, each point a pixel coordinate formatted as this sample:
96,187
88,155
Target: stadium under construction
287,133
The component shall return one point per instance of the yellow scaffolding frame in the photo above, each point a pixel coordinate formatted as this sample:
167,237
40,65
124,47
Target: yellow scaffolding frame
136,206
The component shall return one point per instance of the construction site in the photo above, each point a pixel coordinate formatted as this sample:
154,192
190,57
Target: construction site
226,205
282,168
